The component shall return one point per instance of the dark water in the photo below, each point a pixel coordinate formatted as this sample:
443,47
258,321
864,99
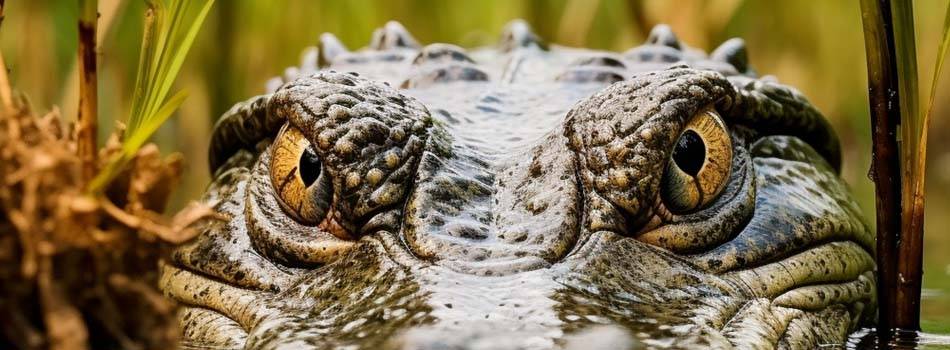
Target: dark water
868,339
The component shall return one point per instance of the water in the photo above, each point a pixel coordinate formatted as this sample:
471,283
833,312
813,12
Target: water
935,296
868,339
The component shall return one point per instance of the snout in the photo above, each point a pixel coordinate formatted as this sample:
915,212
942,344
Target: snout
520,209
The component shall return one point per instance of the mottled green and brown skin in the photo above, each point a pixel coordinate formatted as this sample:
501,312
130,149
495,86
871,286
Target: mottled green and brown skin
513,198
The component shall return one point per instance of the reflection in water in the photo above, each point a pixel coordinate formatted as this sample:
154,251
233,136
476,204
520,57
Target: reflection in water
867,338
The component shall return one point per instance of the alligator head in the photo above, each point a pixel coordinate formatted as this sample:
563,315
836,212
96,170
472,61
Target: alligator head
521,197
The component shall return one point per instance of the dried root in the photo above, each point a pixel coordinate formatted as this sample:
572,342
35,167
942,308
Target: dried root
79,271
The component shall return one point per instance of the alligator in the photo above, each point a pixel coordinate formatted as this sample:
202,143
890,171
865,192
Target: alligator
524,196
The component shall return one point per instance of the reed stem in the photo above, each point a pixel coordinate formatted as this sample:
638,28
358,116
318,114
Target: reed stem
884,100
910,245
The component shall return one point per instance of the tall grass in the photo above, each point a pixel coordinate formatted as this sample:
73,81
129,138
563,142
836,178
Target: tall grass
170,29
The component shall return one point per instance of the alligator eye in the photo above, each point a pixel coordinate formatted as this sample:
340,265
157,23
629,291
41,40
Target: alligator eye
298,177
699,164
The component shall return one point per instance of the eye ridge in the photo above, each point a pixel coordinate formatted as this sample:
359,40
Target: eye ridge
690,152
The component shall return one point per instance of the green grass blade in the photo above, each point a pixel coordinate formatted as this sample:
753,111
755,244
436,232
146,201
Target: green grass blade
938,67
908,85
167,46
171,27
180,22
178,56
132,144
149,36
905,45
135,141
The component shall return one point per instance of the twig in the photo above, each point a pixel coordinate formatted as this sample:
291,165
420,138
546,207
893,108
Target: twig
885,166
105,30
175,232
88,123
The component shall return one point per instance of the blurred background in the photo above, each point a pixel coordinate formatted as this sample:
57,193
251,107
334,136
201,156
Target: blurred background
816,46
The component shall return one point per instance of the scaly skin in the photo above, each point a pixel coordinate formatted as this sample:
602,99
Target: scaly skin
515,198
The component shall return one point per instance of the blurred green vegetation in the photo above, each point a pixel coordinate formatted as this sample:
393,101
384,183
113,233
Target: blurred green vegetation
816,46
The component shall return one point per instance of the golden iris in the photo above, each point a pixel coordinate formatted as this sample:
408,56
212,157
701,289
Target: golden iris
298,177
699,165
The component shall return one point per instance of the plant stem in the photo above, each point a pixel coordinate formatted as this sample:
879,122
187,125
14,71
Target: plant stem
884,98
87,133
913,144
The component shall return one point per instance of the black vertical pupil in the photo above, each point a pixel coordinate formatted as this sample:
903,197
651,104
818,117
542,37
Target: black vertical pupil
309,166
690,152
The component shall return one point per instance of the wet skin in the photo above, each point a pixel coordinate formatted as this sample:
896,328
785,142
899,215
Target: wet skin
524,197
